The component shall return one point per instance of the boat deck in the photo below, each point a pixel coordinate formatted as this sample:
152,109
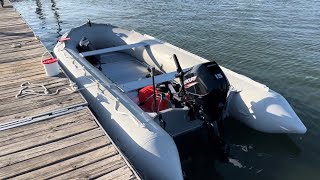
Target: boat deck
47,136
122,68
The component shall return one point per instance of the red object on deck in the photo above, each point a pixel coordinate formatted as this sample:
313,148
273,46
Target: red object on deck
146,100
64,39
49,61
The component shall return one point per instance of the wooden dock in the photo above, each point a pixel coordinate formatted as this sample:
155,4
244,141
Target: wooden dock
43,136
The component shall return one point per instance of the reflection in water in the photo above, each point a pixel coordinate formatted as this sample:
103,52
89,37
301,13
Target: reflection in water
41,15
56,16
39,11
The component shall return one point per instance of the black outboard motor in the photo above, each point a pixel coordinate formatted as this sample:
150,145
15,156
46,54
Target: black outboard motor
205,89
208,87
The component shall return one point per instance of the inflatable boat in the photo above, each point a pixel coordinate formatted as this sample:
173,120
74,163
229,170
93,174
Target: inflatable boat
145,92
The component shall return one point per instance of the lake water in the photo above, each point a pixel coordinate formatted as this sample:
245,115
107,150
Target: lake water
274,42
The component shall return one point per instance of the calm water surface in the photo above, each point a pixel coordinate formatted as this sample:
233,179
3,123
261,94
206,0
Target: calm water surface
274,42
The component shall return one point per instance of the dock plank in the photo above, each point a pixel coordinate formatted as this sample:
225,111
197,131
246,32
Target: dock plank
51,135
10,39
19,64
24,40
51,158
95,170
119,174
42,103
71,164
49,147
20,134
23,47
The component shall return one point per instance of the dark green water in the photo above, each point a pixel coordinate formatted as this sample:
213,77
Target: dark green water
275,42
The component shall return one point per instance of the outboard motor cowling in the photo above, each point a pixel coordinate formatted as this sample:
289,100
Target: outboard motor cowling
204,89
207,86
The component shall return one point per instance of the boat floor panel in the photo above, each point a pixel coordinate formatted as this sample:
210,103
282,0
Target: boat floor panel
121,68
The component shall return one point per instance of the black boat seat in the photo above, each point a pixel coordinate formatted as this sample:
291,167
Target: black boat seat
112,49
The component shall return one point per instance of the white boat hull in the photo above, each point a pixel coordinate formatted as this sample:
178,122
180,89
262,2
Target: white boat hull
151,149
